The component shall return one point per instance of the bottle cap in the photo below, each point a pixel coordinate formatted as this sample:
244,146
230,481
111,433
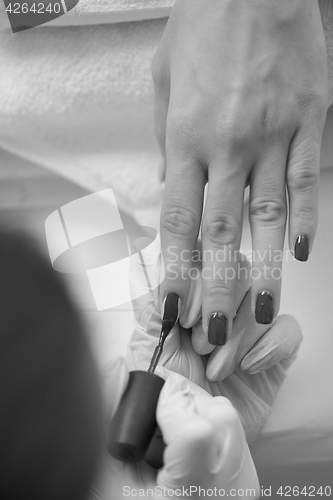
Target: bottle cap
134,423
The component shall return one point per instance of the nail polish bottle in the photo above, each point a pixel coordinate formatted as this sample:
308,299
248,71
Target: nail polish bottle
134,423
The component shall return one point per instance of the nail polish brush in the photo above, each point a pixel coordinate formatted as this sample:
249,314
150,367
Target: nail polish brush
134,423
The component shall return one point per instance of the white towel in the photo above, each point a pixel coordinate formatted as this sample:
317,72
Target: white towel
79,100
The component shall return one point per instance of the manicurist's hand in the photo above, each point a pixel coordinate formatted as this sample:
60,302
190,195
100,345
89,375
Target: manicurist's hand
249,370
241,97
205,445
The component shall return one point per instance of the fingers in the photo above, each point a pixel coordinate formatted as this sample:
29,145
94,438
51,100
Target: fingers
221,235
303,182
233,462
199,340
205,440
192,308
278,345
188,437
161,111
161,81
267,213
255,347
223,361
180,221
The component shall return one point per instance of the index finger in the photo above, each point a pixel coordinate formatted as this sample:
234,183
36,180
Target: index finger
180,222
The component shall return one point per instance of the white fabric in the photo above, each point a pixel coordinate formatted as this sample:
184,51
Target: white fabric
79,101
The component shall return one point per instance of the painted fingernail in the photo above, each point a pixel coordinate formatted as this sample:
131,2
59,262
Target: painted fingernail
217,329
171,308
301,249
264,312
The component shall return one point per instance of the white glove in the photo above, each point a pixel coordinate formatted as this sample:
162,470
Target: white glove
206,445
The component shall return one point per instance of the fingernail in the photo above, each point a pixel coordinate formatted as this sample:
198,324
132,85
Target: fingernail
217,329
264,312
301,249
171,308
258,353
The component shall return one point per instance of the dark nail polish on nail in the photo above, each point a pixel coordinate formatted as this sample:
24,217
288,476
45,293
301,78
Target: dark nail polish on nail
264,308
217,329
301,249
171,308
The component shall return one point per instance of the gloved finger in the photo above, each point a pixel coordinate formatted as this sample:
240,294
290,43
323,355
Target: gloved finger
115,378
205,440
235,463
279,344
189,438
184,360
199,341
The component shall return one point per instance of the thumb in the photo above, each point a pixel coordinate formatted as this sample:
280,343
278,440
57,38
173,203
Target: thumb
205,441
189,438
278,345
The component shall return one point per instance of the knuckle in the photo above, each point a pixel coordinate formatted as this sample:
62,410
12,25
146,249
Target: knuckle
218,289
264,210
179,221
219,231
302,179
314,99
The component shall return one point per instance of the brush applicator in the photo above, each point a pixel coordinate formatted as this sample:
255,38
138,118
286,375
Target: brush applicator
134,423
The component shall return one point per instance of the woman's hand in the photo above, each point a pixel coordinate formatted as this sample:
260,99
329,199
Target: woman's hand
205,445
241,98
